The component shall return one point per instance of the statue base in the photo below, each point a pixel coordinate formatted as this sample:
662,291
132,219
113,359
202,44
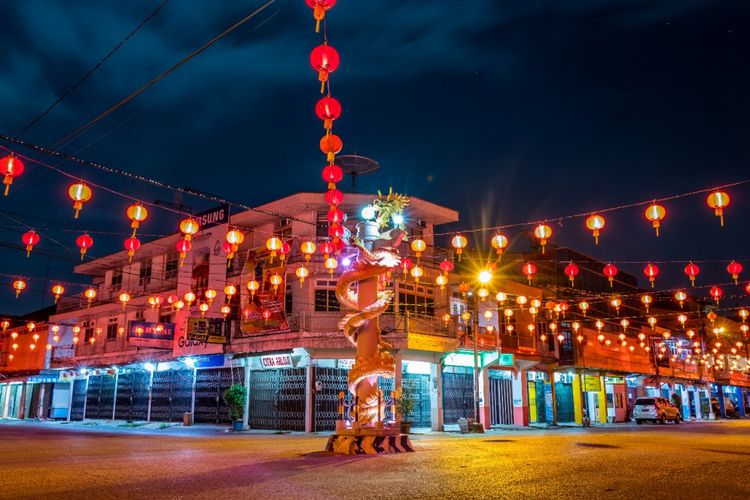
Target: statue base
369,443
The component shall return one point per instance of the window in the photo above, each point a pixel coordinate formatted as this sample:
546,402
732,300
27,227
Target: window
140,315
416,299
165,318
171,265
325,296
289,293
89,329
283,229
117,279
321,230
112,329
144,275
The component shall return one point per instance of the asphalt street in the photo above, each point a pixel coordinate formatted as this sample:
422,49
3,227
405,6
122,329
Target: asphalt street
690,460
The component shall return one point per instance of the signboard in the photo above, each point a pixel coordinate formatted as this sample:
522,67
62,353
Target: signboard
614,380
591,384
207,330
213,217
265,312
276,361
345,363
433,343
149,334
211,361
505,359
457,307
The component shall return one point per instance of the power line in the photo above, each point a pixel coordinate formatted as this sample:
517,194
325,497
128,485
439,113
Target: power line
65,140
91,71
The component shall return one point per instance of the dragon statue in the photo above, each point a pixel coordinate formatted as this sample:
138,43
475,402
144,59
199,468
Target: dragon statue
378,256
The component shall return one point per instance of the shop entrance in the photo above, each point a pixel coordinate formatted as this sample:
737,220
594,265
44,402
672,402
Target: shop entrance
132,395
540,398
419,384
100,397
564,404
329,382
501,398
210,385
171,395
277,399
458,394
79,399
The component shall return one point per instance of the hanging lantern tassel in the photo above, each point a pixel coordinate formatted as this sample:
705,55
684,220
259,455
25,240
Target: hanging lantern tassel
30,238
325,60
319,8
183,246
718,200
12,167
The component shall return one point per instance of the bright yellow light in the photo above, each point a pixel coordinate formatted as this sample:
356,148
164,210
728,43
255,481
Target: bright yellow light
484,276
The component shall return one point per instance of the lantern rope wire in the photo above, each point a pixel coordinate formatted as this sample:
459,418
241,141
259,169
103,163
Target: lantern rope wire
71,136
92,70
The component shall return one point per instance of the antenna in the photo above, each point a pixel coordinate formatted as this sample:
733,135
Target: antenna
355,165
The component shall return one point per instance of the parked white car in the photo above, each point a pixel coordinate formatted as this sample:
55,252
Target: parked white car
655,410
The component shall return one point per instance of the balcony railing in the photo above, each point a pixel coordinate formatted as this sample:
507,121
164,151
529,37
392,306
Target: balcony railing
106,295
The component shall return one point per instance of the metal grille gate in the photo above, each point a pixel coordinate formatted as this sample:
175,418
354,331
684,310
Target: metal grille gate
334,380
79,399
171,395
210,385
277,399
100,397
420,386
458,396
132,396
501,401
564,402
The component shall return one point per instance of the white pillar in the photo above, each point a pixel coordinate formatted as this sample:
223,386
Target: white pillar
484,397
309,398
399,371
114,396
150,390
246,413
436,396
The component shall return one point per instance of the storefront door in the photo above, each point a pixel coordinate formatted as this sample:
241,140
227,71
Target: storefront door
132,396
419,384
171,395
501,398
458,394
277,399
210,385
79,399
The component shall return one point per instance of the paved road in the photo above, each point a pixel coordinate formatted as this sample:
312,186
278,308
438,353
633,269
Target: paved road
698,460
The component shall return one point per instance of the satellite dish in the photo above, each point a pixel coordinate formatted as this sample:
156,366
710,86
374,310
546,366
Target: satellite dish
356,165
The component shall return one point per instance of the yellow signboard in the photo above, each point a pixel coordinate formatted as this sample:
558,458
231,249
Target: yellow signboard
591,384
422,342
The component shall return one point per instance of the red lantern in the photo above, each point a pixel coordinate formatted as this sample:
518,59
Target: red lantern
84,242
543,232
716,293
529,269
405,265
692,271
651,271
328,109
319,8
446,266
734,268
80,193
136,213
334,197
500,243
284,251
228,249
718,200
595,223
335,216
330,145
747,289
325,60
655,213
131,245
332,174
338,244
571,271
30,238
11,167
183,246
326,248
336,231
610,271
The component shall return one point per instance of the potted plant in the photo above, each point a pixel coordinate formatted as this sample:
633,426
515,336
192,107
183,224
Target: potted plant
405,403
235,397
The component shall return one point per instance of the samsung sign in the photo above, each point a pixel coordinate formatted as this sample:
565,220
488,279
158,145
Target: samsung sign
213,217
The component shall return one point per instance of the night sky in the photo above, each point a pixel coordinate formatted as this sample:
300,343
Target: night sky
505,111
